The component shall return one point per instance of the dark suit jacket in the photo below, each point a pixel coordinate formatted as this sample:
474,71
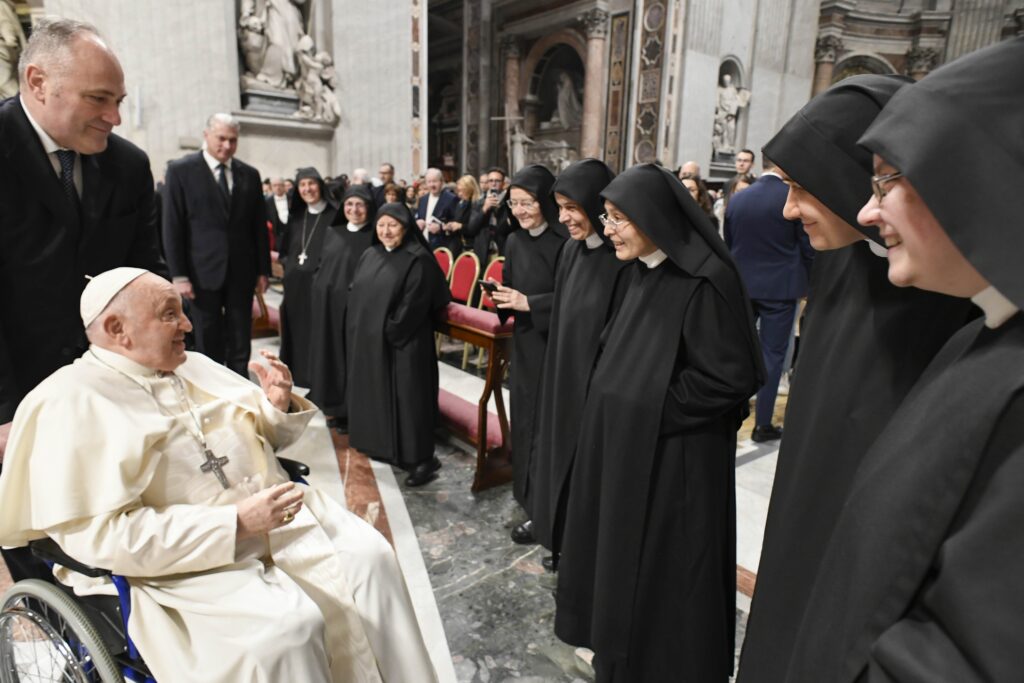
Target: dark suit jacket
773,254
202,235
445,211
275,222
49,248
478,229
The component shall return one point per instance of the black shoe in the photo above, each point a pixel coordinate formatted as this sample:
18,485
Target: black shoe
523,534
550,563
423,473
764,433
338,424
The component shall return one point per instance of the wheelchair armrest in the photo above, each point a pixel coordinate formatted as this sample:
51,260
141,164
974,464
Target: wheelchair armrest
47,549
294,468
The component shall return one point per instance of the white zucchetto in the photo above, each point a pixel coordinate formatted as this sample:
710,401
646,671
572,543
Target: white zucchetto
104,287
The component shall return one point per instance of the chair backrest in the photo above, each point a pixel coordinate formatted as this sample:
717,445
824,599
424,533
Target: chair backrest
493,272
465,273
444,259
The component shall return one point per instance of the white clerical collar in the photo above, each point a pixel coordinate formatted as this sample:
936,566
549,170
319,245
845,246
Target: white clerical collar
654,259
389,249
352,227
876,248
49,144
771,173
317,208
538,231
998,309
593,241
213,163
122,363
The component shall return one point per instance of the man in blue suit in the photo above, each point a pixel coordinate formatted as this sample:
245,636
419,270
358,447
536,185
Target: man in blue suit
774,257
436,208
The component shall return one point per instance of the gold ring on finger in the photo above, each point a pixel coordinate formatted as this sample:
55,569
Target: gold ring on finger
288,516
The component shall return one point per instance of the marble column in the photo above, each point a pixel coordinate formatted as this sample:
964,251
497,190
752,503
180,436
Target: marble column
510,48
920,61
595,22
825,52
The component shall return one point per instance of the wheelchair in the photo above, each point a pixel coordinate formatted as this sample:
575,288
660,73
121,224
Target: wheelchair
47,633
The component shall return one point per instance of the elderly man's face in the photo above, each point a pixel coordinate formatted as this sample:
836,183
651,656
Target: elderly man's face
221,141
277,187
386,173
920,252
78,105
155,325
434,182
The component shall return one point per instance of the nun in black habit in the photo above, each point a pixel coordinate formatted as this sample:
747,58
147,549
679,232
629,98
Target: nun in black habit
343,245
531,253
920,580
589,285
310,217
397,292
864,344
647,577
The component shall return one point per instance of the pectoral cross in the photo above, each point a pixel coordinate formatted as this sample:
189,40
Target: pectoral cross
302,258
215,465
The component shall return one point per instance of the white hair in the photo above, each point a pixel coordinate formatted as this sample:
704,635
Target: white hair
223,119
435,172
360,176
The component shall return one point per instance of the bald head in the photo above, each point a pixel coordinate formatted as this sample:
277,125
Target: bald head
145,323
691,168
72,84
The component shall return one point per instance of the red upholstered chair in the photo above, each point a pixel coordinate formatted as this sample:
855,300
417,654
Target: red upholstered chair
494,273
465,273
444,259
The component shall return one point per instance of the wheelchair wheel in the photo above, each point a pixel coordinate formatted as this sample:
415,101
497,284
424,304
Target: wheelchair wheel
45,636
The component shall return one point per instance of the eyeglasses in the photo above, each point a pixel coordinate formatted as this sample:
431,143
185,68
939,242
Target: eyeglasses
877,182
525,204
495,180
611,223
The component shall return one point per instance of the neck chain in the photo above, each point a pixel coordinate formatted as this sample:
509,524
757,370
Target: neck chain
212,463
305,242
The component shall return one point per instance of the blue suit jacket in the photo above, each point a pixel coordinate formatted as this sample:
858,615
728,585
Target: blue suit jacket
445,211
773,254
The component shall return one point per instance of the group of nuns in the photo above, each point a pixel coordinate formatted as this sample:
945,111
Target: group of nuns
357,321
893,547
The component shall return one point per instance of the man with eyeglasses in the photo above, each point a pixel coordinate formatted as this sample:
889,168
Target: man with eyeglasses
488,226
435,210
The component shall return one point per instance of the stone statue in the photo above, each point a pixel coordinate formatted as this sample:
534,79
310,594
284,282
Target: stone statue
517,154
569,111
269,34
12,42
317,101
730,100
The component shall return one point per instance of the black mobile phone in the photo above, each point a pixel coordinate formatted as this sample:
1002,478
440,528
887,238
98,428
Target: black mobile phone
491,287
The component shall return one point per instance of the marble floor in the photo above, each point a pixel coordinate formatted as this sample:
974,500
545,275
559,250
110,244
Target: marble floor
484,603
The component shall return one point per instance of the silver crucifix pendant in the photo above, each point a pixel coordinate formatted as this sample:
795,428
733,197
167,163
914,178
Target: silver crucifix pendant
215,465
302,258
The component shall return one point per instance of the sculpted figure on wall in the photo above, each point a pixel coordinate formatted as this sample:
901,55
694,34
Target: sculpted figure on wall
730,101
279,55
12,42
569,112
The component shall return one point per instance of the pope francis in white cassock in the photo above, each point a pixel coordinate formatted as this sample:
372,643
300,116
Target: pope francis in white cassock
159,465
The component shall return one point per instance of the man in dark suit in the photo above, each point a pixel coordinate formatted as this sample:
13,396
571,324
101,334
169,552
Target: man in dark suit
386,173
75,201
215,240
488,225
436,208
774,257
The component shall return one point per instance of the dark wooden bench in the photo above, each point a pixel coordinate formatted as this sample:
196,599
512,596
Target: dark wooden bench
473,423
